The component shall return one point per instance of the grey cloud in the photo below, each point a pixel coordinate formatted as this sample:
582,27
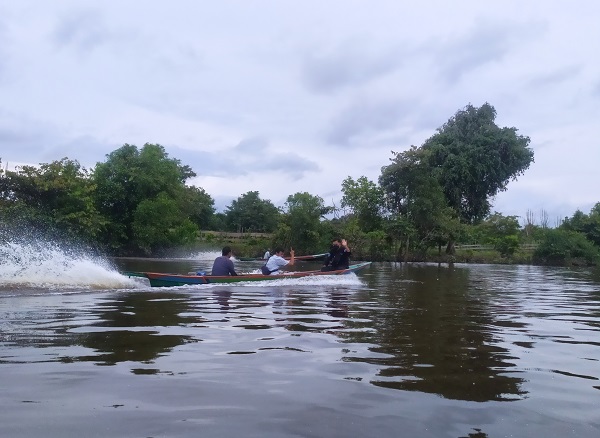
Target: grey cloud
19,144
346,65
83,29
487,43
251,145
364,117
86,149
45,146
289,163
250,156
555,77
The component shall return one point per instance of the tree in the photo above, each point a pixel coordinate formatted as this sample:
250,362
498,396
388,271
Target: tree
412,192
473,159
250,213
56,196
563,247
589,225
502,232
468,161
130,176
159,224
300,226
198,206
366,200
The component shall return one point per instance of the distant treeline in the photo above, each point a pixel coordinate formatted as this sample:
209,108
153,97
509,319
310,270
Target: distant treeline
427,200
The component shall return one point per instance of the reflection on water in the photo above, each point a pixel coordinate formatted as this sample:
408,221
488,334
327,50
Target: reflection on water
130,329
439,334
461,333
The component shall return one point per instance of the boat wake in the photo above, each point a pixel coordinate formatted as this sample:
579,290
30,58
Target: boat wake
48,265
346,280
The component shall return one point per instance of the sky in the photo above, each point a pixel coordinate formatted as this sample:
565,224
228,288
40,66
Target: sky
290,96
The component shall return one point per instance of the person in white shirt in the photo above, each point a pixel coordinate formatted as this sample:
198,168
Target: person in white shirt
267,255
276,262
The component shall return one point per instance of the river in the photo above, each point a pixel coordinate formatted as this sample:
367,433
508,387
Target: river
412,350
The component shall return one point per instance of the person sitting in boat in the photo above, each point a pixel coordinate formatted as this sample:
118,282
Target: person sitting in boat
276,262
267,255
338,257
223,264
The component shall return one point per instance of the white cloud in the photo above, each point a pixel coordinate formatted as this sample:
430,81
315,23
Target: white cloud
283,97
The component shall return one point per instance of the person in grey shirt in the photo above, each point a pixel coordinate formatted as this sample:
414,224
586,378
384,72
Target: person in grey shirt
223,264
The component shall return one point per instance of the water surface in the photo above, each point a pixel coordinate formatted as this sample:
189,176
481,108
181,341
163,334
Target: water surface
396,350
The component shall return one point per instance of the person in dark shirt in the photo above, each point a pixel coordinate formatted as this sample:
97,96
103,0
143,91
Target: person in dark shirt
343,259
338,257
223,264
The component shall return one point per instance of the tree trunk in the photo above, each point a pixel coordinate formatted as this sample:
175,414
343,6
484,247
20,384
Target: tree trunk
450,248
407,246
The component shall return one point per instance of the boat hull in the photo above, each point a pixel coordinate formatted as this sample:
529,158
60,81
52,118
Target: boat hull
166,280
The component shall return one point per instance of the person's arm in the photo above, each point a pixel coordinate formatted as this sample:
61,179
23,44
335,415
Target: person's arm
345,245
292,260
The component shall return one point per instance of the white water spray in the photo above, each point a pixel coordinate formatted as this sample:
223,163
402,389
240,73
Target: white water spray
203,256
48,265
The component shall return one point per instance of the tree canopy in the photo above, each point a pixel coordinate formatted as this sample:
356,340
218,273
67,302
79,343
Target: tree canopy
54,197
473,159
454,174
300,226
251,213
365,200
132,181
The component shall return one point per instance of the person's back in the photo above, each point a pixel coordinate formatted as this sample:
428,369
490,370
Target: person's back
343,261
223,264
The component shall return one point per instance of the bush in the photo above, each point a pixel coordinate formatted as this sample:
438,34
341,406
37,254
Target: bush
506,245
562,247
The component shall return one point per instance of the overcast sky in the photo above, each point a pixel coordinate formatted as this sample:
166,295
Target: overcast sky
293,96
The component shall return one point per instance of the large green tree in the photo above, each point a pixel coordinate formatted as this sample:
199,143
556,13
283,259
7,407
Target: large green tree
474,159
463,166
251,213
130,176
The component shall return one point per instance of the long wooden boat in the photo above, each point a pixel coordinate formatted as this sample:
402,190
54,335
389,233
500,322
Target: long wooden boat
306,258
161,280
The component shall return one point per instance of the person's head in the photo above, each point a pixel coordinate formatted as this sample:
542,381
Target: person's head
226,251
278,251
337,241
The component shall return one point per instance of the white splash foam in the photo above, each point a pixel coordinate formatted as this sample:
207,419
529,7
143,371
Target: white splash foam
43,264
